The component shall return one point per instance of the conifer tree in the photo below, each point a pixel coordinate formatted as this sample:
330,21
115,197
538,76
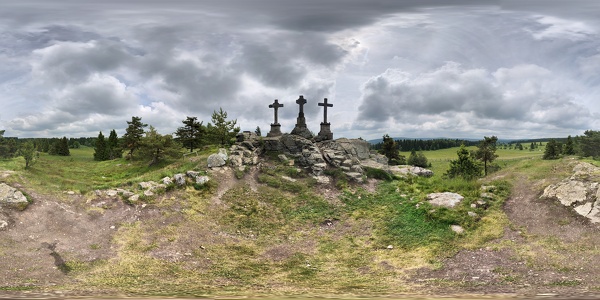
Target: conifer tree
113,148
553,150
466,166
222,130
569,146
156,147
191,134
486,151
133,135
101,150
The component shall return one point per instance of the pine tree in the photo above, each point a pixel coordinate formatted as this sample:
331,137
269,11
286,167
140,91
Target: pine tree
101,150
257,131
157,147
191,134
486,151
466,166
222,130
28,151
589,144
569,146
113,148
553,150
391,151
133,135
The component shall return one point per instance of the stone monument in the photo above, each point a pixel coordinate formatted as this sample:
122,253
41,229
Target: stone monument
275,127
300,128
325,133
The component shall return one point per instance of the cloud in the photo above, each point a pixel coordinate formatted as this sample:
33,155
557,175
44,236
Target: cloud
452,94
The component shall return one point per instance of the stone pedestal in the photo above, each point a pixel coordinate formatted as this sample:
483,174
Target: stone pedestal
275,130
301,129
325,133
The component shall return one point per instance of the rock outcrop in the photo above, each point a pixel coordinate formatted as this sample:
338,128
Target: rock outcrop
12,198
581,191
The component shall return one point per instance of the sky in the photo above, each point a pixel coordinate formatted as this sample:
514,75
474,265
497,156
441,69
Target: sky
515,69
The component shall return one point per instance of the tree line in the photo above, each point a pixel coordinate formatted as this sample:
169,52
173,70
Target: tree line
409,145
140,141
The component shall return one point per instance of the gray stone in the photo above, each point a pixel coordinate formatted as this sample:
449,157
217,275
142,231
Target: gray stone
70,193
202,179
179,179
98,193
111,193
322,179
12,198
472,214
457,229
290,179
192,174
358,177
144,185
134,198
127,194
3,224
218,159
148,193
567,192
167,180
445,199
282,157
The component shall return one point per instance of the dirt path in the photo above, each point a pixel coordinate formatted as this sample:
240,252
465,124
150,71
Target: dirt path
546,250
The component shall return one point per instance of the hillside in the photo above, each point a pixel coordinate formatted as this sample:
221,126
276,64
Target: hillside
273,230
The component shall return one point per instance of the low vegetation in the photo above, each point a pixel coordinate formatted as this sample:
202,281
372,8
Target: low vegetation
274,230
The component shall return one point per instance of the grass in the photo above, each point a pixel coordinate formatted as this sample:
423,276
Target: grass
278,235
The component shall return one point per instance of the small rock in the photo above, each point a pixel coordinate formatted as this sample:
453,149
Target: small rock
472,214
112,227
192,174
322,179
146,185
179,179
288,178
70,193
390,247
457,228
3,224
167,180
148,193
111,193
202,179
134,198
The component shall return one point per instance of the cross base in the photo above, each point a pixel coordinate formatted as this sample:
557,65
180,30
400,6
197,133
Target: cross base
275,130
325,133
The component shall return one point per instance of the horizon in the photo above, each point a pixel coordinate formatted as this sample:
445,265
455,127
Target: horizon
458,68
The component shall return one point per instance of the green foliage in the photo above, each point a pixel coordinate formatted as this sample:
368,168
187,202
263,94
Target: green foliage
553,150
418,159
100,150
191,134
222,131
465,166
8,147
486,152
257,131
29,154
133,135
61,147
390,150
378,174
112,146
569,148
157,147
590,144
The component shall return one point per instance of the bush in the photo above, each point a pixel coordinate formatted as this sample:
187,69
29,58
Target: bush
418,159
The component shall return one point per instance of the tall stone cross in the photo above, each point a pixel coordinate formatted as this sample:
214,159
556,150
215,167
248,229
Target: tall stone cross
301,101
275,106
325,105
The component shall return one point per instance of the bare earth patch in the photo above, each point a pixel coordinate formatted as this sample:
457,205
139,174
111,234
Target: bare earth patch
547,250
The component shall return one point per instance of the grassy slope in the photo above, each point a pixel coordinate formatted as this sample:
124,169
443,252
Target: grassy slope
281,238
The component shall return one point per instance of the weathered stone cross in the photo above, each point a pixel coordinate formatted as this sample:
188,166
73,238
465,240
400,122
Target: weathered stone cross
301,101
325,105
275,106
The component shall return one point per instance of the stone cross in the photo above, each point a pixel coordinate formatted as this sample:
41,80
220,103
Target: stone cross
275,106
301,101
325,105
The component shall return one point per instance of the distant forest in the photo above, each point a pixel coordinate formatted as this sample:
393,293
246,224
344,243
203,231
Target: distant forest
409,145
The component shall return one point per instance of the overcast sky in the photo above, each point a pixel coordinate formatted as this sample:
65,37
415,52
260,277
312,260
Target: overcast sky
415,68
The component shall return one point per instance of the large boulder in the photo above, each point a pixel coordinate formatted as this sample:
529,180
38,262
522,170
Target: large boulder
580,191
410,170
12,198
218,159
